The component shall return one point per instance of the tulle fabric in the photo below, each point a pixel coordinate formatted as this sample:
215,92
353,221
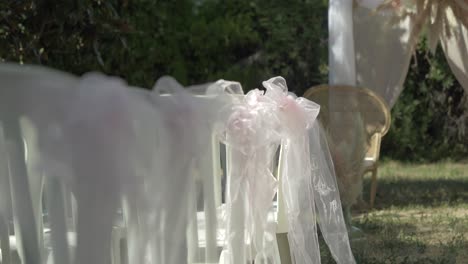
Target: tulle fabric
94,152
100,161
327,197
167,187
250,134
114,148
32,102
384,38
309,183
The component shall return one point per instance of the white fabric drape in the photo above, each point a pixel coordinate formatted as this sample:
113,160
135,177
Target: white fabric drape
456,50
341,52
382,52
249,132
252,130
308,180
144,152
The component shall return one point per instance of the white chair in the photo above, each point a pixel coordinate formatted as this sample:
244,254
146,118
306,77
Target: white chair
36,104
26,93
33,100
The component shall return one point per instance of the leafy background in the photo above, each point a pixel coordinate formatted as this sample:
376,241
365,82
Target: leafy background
249,41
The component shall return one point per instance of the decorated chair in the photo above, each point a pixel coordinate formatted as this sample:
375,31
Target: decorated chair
133,162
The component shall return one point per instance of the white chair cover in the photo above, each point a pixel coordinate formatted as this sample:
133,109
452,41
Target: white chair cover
253,130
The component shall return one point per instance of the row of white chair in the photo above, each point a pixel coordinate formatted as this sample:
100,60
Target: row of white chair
91,147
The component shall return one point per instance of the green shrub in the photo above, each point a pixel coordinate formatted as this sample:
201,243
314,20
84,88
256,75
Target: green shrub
194,41
430,118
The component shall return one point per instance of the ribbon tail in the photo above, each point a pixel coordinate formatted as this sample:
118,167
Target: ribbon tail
236,207
327,198
299,201
263,190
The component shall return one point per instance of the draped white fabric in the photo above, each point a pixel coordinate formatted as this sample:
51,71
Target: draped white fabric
341,44
308,181
456,50
342,71
94,151
382,52
133,159
250,133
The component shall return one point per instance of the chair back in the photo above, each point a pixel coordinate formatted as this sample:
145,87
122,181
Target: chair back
34,105
342,98
351,116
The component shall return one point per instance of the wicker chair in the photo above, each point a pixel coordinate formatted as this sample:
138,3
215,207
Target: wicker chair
355,119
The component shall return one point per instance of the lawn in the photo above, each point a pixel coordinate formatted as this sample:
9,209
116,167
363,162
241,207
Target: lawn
421,216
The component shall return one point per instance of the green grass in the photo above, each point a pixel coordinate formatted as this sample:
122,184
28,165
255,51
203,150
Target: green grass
421,216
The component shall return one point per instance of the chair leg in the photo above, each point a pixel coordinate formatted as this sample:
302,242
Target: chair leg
373,190
347,217
117,237
283,247
4,241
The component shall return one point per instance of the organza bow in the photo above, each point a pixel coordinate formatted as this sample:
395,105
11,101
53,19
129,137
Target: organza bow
309,182
250,134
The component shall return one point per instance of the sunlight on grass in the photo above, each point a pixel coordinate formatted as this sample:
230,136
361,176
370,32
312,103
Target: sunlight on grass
421,216
424,185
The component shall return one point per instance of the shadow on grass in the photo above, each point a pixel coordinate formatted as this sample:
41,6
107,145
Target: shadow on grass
430,192
396,233
388,242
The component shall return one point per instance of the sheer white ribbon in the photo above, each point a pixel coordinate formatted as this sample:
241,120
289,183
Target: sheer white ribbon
250,133
309,182
101,160
102,143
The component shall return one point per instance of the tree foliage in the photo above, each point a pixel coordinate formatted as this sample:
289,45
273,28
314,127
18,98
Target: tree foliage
430,118
194,41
